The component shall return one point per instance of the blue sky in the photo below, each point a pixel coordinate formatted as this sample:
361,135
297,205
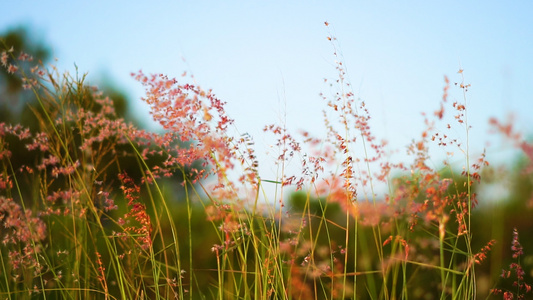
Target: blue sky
268,59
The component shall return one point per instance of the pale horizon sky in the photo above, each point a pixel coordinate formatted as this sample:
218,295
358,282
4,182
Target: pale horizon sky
268,59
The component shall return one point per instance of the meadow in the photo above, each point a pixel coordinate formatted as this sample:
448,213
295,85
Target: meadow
93,207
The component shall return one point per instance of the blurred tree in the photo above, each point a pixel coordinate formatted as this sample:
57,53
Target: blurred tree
20,106
15,102
14,98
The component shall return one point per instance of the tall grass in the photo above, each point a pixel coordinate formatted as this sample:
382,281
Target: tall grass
94,207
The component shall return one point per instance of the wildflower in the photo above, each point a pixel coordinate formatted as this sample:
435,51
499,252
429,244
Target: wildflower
21,228
4,58
522,288
24,57
137,212
516,247
482,254
11,69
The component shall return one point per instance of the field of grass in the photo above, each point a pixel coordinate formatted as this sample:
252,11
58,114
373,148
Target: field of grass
92,207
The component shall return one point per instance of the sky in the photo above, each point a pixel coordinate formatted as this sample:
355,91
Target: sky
268,59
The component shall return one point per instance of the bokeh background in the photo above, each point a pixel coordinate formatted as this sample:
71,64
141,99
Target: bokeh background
268,61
